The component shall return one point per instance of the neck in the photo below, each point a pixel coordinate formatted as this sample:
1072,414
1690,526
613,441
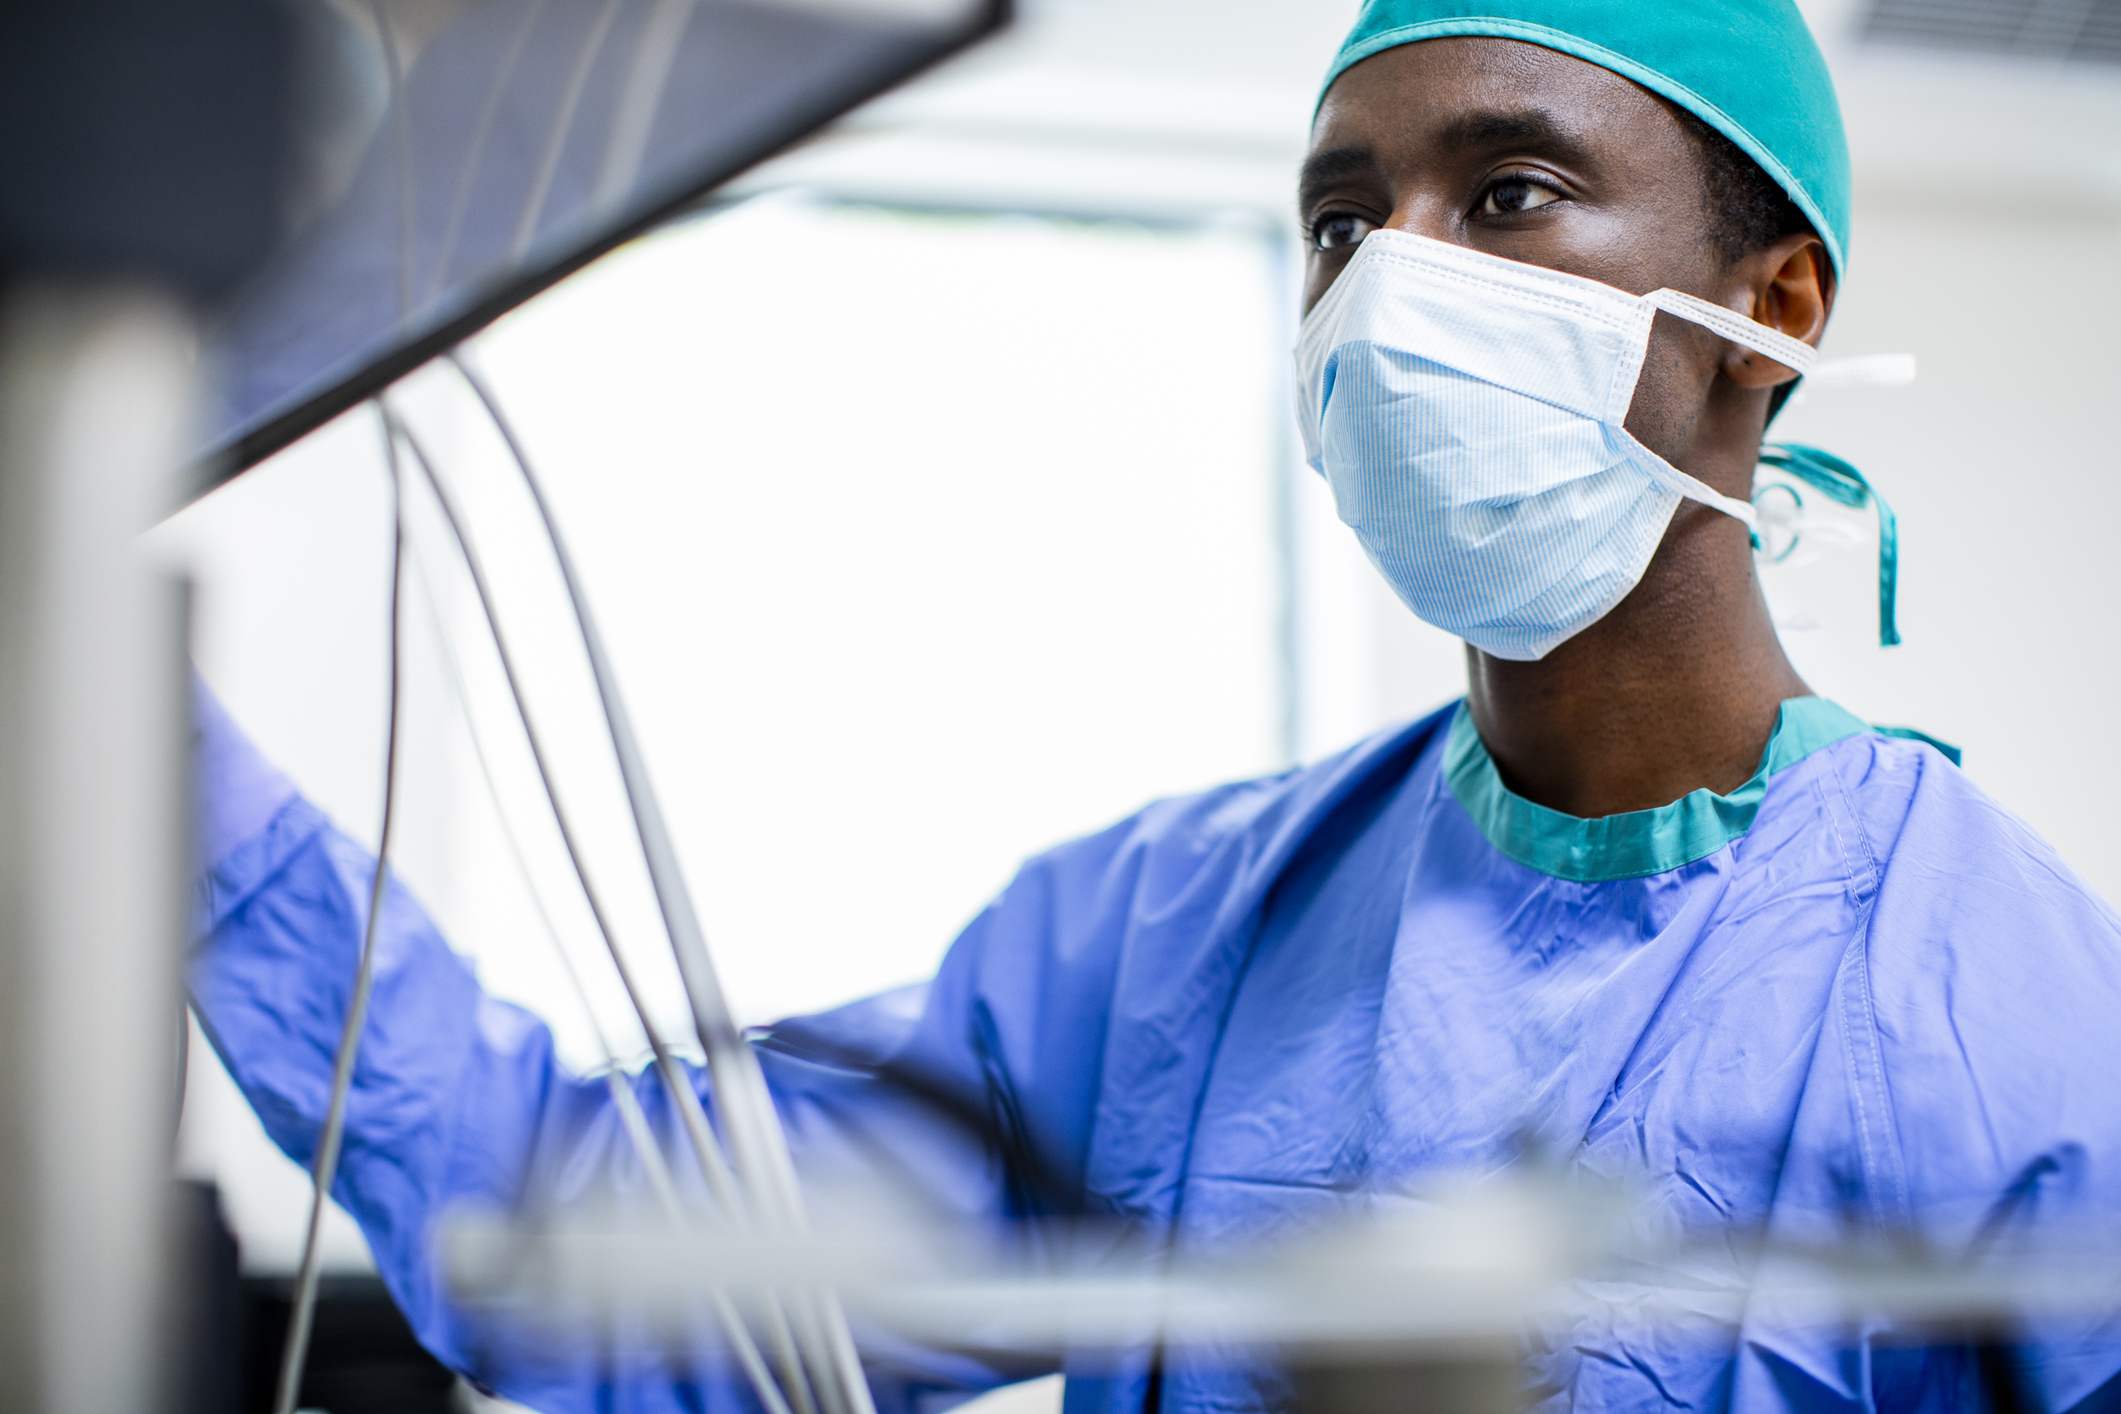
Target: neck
1678,688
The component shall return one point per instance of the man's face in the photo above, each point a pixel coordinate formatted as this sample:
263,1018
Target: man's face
1531,155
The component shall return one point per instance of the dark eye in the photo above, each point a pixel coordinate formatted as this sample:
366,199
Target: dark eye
1515,195
1339,228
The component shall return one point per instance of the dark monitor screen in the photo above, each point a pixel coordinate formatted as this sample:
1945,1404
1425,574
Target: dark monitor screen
461,155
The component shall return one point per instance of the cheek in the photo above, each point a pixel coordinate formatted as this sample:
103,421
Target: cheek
1320,271
1647,232
1672,392
1624,247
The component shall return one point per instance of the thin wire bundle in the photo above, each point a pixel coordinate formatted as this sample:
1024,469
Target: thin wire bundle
815,1333
705,1148
818,1366
758,1144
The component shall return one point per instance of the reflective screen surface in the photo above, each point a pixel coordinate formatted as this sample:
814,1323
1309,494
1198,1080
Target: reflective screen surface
458,157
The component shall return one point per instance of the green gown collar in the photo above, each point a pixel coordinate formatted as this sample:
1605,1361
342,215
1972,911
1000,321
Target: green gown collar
1641,842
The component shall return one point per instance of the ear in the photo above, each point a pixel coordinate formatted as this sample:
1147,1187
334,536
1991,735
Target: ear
1791,286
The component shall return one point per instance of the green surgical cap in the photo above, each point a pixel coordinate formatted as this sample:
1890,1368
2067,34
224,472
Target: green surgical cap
1747,68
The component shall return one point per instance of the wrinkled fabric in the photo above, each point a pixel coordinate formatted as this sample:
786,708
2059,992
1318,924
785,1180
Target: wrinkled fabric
1887,1011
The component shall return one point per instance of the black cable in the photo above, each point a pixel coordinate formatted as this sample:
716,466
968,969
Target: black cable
1045,1189
1999,1378
326,1161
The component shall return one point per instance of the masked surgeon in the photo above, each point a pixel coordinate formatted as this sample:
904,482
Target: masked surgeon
1640,905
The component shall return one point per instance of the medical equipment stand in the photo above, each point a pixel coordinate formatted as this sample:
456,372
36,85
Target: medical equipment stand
94,395
141,151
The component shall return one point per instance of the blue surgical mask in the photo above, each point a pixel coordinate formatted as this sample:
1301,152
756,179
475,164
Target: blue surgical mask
1467,412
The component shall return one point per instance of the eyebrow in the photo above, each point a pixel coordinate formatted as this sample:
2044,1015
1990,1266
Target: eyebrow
1523,127
1529,128
1321,169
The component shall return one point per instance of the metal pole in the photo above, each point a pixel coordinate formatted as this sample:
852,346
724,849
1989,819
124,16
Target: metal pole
94,395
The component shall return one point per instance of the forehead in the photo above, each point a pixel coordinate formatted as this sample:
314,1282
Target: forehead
1417,93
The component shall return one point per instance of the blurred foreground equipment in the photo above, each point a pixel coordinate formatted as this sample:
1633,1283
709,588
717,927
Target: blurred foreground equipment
458,157
1405,1303
139,152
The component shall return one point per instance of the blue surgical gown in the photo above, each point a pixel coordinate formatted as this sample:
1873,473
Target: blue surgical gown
1855,1000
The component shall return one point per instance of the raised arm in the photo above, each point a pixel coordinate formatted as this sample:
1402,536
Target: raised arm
458,1100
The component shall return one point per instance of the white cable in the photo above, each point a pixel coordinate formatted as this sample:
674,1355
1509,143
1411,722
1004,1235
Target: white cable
294,1353
631,1119
460,698
655,50
756,1139
562,125
713,1165
401,126
460,203
718,1176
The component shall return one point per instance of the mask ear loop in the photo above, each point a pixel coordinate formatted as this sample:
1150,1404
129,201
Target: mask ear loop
1793,354
1822,471
1701,492
1837,480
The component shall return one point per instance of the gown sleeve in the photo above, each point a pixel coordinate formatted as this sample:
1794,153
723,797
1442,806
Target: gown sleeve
459,1102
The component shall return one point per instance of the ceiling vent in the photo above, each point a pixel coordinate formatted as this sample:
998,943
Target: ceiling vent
2087,31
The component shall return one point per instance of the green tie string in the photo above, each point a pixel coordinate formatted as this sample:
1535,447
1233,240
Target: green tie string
1837,480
